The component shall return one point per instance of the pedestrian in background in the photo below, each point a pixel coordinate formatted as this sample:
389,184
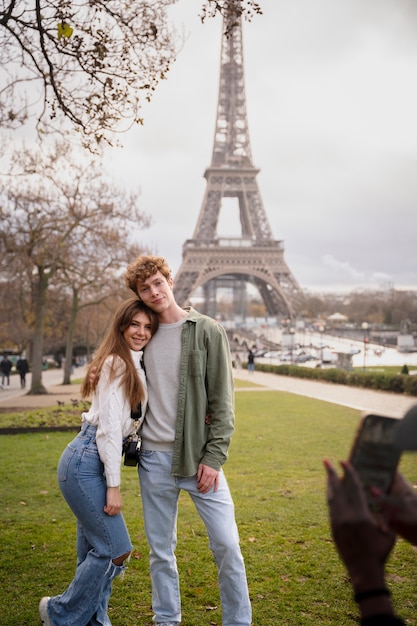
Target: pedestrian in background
5,366
251,361
22,367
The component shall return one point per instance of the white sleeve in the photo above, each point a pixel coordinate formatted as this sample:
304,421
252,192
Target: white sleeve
111,409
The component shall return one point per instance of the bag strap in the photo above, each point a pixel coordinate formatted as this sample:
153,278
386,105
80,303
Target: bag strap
136,415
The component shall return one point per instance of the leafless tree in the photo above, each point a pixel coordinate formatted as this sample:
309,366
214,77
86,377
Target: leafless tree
60,217
89,279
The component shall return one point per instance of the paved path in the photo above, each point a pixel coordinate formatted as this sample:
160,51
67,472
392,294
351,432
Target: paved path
391,404
360,399
14,397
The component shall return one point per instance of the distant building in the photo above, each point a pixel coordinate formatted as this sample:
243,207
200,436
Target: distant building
337,319
406,343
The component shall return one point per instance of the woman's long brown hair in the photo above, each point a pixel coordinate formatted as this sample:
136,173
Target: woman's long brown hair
115,344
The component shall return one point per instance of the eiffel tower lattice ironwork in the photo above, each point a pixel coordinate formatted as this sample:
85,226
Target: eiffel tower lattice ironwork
255,257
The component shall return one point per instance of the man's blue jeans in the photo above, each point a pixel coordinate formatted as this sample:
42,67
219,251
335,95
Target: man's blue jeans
100,537
160,492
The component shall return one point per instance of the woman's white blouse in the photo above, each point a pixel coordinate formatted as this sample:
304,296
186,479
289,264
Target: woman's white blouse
110,412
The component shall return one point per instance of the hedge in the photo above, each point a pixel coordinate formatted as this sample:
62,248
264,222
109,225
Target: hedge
395,383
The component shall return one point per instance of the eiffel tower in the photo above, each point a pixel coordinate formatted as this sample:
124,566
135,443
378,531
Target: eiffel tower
255,257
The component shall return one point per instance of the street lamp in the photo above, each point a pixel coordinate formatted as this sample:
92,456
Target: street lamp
365,327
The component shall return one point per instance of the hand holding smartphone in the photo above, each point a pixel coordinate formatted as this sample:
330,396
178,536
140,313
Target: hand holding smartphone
374,454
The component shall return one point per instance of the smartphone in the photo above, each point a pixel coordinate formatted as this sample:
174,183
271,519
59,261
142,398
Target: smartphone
374,454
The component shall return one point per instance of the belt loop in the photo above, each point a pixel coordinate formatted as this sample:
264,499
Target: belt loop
85,427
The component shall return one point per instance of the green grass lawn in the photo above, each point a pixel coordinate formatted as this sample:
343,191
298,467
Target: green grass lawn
277,480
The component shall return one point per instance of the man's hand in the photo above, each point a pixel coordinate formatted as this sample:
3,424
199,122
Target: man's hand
206,478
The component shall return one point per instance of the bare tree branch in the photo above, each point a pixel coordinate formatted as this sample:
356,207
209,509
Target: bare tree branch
91,63
231,10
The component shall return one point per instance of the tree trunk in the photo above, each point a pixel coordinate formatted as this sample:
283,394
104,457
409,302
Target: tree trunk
37,387
70,338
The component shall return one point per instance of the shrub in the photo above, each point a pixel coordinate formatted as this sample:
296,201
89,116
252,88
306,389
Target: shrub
410,385
394,383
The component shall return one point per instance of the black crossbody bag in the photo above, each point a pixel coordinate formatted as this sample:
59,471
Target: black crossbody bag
132,445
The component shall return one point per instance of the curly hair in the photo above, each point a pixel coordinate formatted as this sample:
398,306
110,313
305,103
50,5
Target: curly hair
142,268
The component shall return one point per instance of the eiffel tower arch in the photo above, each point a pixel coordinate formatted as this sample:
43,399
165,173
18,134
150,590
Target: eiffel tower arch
254,257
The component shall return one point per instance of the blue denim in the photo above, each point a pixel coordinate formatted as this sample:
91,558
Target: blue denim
100,537
160,492
5,377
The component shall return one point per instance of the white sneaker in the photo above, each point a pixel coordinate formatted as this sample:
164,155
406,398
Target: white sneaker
43,612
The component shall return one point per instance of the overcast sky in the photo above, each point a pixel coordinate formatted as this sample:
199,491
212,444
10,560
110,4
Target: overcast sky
331,90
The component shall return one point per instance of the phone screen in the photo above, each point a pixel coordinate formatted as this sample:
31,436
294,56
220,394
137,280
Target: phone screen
374,454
